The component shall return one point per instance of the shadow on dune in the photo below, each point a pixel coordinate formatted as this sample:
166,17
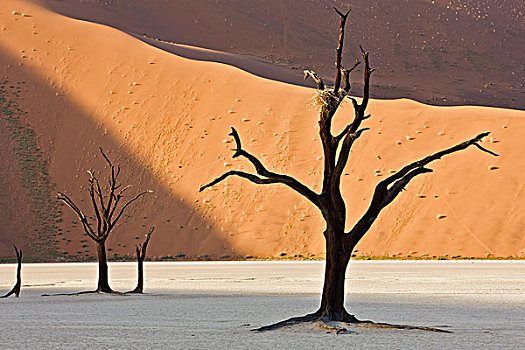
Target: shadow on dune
67,139
463,54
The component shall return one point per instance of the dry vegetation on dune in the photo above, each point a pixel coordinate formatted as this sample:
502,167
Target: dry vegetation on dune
27,188
158,115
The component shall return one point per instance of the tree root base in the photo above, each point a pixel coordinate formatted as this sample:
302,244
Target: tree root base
342,327
134,291
15,291
84,292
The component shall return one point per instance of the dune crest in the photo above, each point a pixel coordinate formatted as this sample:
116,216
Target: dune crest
440,52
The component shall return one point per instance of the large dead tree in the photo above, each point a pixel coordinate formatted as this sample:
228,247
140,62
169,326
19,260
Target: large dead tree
336,148
18,284
141,255
108,207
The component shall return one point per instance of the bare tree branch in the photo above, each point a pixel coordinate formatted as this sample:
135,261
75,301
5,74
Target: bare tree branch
315,77
346,76
141,247
141,256
114,222
253,178
366,81
87,227
343,133
113,184
145,245
344,153
95,185
105,156
268,177
485,150
422,162
339,51
388,189
400,184
94,202
351,132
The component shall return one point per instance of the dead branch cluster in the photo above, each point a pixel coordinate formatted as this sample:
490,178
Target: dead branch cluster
104,203
337,148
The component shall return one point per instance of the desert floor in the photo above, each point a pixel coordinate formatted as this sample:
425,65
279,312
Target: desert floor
213,305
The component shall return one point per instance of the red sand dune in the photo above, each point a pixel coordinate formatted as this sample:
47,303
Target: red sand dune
165,119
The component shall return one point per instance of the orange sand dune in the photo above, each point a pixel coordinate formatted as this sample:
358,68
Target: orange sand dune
165,119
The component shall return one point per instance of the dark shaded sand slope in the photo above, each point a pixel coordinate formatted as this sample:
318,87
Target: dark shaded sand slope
442,52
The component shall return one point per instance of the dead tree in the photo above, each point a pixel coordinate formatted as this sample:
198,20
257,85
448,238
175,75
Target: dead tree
141,255
16,288
336,149
108,208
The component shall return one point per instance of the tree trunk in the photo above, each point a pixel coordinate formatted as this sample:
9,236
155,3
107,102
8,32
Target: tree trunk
140,279
16,289
338,254
18,276
103,284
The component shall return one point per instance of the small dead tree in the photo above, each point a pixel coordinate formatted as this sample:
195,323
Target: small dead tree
336,149
141,255
108,208
16,288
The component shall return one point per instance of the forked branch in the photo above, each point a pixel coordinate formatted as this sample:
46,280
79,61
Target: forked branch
345,151
141,248
346,76
264,176
388,189
438,155
352,131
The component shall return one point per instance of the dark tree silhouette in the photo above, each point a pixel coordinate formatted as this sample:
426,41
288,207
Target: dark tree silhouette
336,148
18,284
141,255
108,209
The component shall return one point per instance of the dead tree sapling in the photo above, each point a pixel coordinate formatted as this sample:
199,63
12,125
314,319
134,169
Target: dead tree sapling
108,208
336,149
18,284
141,255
